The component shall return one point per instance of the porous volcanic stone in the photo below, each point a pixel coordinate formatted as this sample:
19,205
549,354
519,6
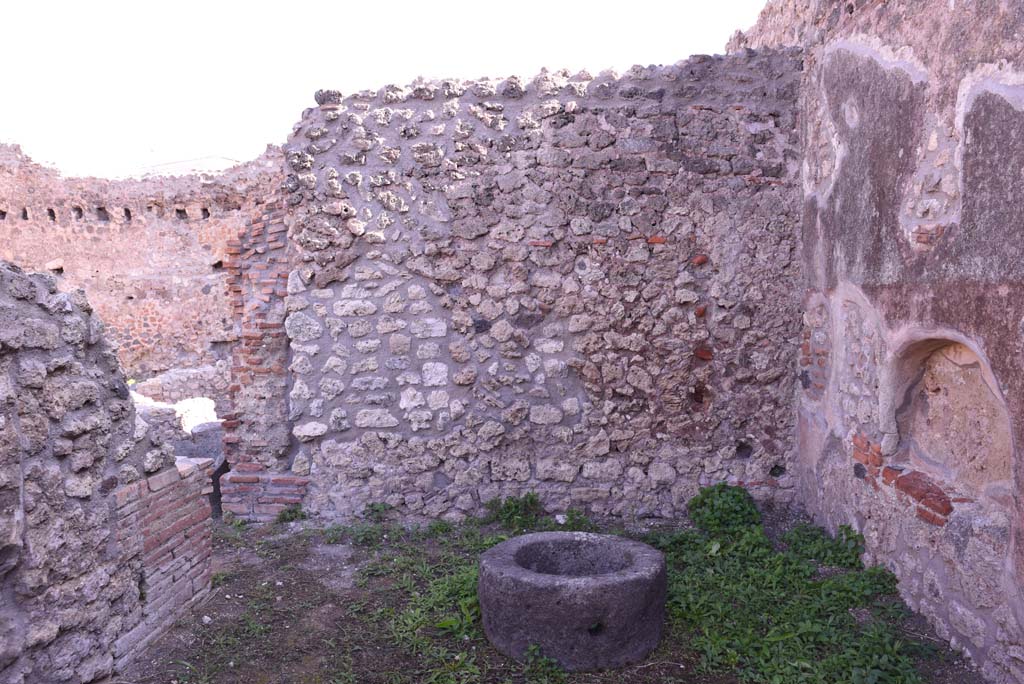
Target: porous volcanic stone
589,601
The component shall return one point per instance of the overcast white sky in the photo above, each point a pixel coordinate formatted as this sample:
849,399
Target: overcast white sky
117,88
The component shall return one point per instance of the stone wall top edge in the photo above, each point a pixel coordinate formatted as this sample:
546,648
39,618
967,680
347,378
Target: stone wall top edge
547,83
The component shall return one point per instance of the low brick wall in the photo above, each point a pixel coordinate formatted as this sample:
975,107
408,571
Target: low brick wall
166,519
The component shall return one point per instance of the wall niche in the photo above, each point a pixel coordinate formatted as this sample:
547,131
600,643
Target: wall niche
953,422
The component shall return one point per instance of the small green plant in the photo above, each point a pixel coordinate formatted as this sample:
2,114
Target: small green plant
813,544
515,513
577,521
218,578
192,674
539,669
452,668
377,511
723,508
366,534
291,514
234,522
334,534
439,528
462,625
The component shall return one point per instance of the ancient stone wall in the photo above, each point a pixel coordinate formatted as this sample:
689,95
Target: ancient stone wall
103,538
150,255
913,382
587,287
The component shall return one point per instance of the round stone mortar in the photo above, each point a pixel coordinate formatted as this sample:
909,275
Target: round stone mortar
589,601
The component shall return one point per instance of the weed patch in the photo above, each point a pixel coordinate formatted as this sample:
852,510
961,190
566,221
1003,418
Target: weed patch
723,509
742,608
291,514
763,613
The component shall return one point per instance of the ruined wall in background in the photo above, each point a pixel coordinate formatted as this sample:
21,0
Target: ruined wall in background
913,356
104,539
586,287
150,255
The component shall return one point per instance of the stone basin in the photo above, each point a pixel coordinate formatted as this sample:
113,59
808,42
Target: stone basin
589,601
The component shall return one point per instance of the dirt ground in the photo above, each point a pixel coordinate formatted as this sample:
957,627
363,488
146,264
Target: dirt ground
296,604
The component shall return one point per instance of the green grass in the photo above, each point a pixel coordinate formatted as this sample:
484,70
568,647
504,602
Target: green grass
766,614
811,543
723,509
291,514
743,605
515,514
799,610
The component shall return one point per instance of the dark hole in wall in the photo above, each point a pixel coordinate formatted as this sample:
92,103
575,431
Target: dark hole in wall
206,213
52,214
181,214
528,319
3,215
217,510
778,470
142,588
698,393
595,628
102,214
221,349
217,265
24,214
77,212
127,214
859,471
9,556
744,450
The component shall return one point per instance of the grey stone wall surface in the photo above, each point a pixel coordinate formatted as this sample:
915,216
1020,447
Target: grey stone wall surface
66,442
72,552
584,286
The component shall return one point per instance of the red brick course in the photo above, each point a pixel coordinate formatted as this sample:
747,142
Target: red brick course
165,521
932,503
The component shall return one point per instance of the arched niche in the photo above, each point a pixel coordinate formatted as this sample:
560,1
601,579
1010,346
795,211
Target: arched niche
952,421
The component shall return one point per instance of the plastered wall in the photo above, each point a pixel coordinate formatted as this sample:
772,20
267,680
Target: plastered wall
909,415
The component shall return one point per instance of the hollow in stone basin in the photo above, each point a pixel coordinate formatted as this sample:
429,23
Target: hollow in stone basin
589,601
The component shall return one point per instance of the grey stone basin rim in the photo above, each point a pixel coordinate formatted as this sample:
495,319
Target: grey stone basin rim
642,559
